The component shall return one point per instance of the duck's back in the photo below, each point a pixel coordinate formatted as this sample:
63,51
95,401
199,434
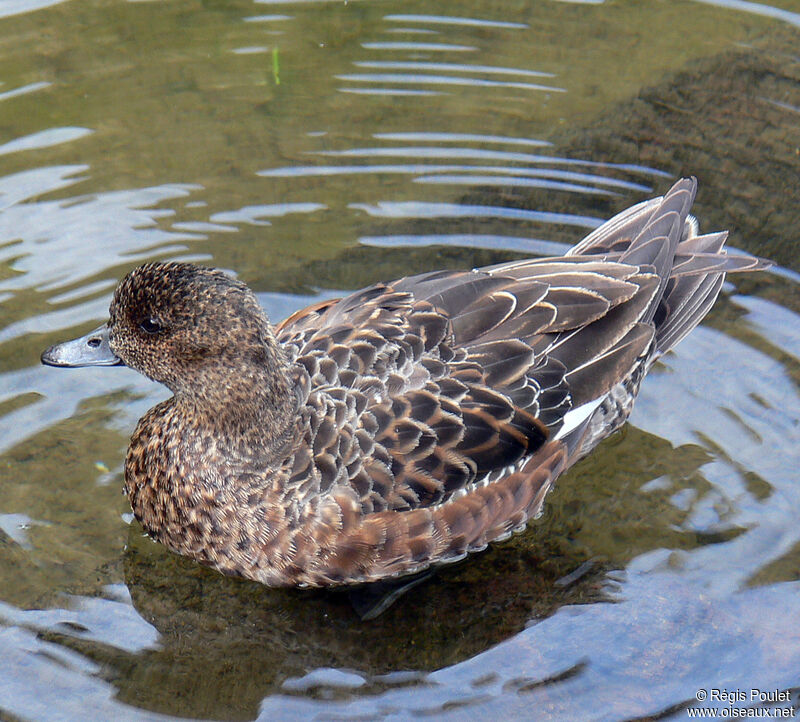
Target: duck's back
442,406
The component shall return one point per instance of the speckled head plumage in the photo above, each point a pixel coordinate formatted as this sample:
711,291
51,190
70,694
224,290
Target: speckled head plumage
172,321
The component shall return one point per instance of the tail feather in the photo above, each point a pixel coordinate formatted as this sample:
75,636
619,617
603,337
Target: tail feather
657,247
680,274
692,310
660,236
701,263
615,234
706,243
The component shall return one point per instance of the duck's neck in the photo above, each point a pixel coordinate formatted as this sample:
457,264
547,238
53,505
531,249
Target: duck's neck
251,409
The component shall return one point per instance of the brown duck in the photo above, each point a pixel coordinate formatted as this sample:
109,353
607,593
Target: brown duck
407,424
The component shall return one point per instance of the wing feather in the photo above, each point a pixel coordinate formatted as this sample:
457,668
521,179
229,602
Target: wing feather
454,380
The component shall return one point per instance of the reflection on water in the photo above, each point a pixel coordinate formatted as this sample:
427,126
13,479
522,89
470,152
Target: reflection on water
284,634
15,7
758,9
324,146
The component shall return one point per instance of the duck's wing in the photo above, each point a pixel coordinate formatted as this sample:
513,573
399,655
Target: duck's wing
459,385
458,377
474,390
305,316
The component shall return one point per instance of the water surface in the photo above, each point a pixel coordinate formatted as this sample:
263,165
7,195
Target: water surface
312,148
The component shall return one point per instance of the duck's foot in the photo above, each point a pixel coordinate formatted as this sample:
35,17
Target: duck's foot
371,600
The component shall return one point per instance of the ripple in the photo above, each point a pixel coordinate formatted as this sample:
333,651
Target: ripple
781,104
455,67
22,186
388,91
483,154
424,209
23,89
56,242
18,7
299,171
203,227
87,289
413,31
15,527
109,622
444,80
250,50
512,181
425,47
59,400
522,244
46,322
44,139
254,214
434,137
297,2
325,677
780,325
448,20
267,18
768,11
426,170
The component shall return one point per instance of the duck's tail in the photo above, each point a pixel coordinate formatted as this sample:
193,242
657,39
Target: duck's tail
661,234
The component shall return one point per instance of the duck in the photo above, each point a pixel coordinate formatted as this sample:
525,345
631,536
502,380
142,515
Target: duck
407,424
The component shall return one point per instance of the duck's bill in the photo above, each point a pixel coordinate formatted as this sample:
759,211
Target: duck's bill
89,350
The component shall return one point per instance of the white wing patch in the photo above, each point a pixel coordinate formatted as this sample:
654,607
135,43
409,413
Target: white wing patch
575,417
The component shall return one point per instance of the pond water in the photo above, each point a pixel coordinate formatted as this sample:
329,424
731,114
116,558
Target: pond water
313,148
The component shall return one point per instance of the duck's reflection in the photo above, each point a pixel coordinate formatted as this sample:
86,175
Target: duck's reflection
226,643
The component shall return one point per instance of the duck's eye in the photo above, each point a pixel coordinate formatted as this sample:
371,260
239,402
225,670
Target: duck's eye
150,325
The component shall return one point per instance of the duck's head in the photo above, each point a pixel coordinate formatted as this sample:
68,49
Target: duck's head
188,327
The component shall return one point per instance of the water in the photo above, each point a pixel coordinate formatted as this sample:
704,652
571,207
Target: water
312,148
